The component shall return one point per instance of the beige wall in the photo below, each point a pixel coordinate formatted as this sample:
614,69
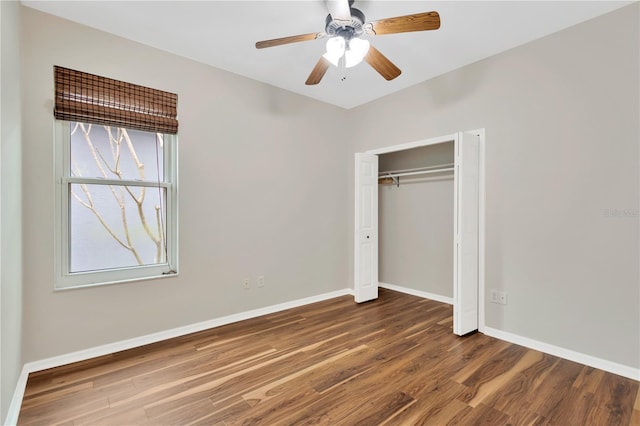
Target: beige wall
262,192
10,205
416,235
562,130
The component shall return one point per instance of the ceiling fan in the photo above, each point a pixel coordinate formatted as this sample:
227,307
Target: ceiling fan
344,26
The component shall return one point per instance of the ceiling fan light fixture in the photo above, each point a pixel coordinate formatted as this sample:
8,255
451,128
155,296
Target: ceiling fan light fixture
358,49
343,26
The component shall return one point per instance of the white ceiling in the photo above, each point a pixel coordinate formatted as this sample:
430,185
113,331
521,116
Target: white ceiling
223,33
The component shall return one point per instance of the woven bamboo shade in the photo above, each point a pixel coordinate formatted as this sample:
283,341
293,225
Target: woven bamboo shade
90,98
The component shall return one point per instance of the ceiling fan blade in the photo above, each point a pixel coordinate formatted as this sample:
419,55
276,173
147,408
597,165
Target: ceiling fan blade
287,40
382,64
403,24
339,10
318,72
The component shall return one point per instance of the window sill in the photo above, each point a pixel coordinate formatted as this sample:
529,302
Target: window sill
117,281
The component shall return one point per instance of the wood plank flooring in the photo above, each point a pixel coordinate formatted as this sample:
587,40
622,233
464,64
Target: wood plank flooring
393,361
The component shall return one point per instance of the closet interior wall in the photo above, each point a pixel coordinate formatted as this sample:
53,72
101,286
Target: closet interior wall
415,221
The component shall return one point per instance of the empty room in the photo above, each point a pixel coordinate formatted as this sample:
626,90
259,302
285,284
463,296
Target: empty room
325,212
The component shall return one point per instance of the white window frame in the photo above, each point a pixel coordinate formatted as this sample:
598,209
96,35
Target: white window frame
64,279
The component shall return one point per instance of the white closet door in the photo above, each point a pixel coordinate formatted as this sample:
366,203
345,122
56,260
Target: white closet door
465,288
366,228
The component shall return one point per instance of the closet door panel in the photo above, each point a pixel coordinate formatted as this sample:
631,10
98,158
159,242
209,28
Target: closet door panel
366,228
465,308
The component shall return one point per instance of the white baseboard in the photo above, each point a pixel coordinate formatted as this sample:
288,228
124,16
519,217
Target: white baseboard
16,401
57,361
591,361
423,294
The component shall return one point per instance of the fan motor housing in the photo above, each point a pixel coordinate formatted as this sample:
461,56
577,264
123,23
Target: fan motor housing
348,31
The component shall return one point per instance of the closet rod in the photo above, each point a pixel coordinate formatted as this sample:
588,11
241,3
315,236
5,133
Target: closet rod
423,172
420,170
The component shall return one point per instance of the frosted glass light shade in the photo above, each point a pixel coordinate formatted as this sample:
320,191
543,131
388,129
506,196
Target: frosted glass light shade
336,46
334,59
358,49
335,50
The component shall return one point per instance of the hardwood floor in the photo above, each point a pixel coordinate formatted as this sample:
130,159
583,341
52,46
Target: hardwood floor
393,361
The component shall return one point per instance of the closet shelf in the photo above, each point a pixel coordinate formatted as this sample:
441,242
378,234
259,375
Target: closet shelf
393,176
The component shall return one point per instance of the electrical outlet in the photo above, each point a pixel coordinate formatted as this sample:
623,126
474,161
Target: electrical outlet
499,297
246,284
261,281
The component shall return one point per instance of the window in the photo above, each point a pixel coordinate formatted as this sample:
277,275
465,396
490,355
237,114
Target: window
116,192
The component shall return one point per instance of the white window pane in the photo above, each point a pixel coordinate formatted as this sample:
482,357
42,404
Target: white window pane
115,153
115,227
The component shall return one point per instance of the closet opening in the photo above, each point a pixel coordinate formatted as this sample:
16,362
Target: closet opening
419,223
415,221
